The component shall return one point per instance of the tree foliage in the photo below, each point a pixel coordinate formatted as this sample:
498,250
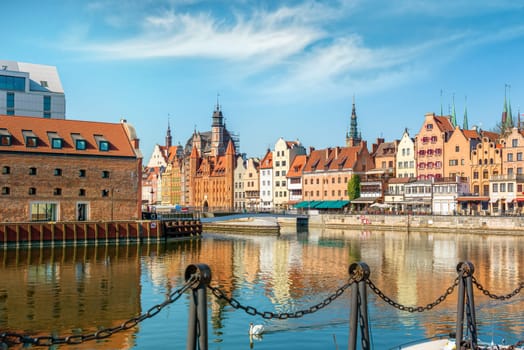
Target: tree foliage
354,187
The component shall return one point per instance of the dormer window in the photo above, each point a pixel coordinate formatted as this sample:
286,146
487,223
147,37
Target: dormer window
5,137
56,143
80,142
30,138
103,144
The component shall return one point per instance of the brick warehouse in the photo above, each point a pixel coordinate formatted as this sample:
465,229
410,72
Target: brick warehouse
68,170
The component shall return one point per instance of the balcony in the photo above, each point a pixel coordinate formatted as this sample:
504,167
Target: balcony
505,177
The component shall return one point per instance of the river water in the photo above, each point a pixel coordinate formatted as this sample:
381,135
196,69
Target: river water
65,291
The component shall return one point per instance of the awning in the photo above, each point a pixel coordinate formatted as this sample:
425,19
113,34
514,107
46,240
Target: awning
337,204
472,199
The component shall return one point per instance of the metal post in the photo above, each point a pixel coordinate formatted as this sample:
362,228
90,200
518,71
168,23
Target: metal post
197,322
359,272
465,271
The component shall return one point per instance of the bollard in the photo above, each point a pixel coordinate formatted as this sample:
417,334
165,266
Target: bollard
197,322
359,272
466,303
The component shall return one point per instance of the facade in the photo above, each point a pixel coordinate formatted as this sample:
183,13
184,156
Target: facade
384,156
446,190
252,184
31,90
406,157
284,153
486,161
294,178
69,170
418,196
394,196
211,180
457,152
429,146
327,171
239,191
266,181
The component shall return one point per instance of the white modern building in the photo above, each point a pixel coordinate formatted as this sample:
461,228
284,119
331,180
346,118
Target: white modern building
31,90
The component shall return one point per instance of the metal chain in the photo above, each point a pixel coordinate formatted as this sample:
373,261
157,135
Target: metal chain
494,296
401,307
283,315
17,338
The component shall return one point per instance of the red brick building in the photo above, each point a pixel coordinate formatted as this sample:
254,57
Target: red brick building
68,170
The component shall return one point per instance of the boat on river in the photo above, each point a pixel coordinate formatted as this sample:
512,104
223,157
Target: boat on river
444,343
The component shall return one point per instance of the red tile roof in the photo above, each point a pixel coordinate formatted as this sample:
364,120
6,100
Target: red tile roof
267,161
295,170
68,130
443,123
332,159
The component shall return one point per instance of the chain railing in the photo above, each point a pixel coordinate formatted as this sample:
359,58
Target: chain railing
198,279
268,315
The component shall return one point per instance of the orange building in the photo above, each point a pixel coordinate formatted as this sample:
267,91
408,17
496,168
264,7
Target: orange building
486,161
429,146
68,170
211,179
327,171
457,152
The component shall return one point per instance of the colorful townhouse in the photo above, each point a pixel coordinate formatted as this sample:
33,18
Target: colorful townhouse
283,155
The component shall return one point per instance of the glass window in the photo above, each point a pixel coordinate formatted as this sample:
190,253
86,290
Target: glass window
510,187
57,191
82,173
31,141
105,193
47,103
6,170
12,83
519,156
10,103
6,190
32,191
103,146
514,143
105,174
56,143
43,211
510,157
5,140
32,171
58,172
81,144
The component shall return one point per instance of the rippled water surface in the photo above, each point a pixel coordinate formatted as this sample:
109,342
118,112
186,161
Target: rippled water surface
63,291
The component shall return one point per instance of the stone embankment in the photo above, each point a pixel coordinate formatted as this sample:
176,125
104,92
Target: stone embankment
504,225
264,226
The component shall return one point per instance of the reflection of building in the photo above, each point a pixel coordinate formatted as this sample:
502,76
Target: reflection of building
81,288
68,170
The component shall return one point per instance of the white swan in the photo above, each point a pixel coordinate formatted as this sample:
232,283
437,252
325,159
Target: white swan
256,329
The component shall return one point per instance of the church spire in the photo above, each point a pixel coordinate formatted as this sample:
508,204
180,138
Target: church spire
507,120
353,138
465,125
169,139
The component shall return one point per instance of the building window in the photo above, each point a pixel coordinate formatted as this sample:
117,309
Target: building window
58,172
12,83
510,187
6,170
81,144
10,103
5,139
32,191
519,156
105,193
43,211
82,192
47,106
82,173
32,171
429,126
457,148
103,146
105,174
6,190
495,188
57,191
514,143
510,157
31,141
56,143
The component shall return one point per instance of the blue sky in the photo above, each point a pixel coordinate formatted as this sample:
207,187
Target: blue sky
282,68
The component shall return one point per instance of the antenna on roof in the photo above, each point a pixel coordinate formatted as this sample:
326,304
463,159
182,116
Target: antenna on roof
218,105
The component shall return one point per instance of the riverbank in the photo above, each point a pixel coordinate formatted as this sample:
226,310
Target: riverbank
507,225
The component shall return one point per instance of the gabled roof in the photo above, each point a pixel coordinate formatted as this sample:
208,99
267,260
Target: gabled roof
386,149
443,123
70,132
471,134
332,158
295,169
267,161
492,136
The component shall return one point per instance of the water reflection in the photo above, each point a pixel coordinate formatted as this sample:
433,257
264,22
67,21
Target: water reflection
71,290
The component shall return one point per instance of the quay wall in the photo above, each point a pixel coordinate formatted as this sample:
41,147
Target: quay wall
504,225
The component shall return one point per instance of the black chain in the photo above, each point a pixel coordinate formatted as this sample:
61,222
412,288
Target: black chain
401,307
494,296
16,338
283,315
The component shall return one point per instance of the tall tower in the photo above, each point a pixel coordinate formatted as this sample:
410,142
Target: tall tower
217,132
353,137
169,139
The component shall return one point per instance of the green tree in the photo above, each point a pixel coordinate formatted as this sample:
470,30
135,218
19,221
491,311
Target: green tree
354,187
